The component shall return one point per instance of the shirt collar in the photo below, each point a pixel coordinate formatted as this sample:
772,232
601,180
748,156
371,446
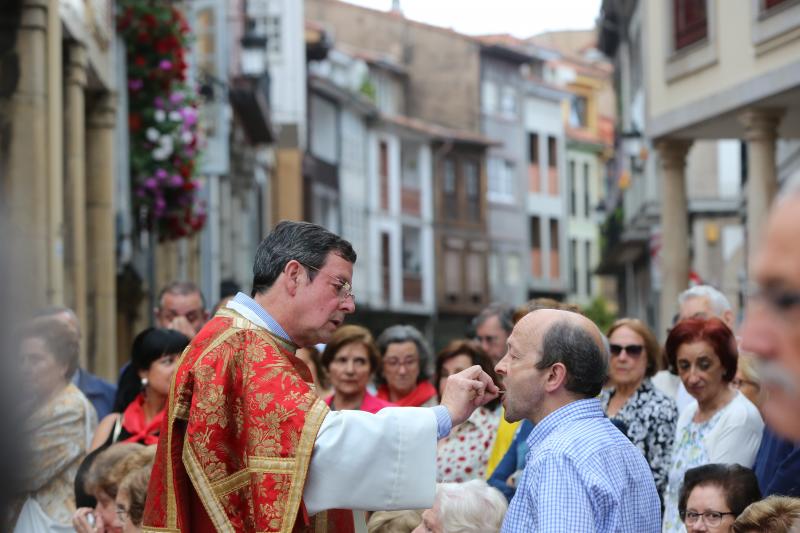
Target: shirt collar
258,315
588,408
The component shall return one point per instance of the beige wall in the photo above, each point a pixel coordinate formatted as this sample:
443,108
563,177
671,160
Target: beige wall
443,66
737,58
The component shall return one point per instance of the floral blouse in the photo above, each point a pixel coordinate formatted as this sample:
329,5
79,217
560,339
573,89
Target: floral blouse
650,416
463,454
688,452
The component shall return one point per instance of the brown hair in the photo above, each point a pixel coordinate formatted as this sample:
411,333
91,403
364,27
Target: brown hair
543,303
776,514
655,357
135,486
472,350
61,340
350,334
112,464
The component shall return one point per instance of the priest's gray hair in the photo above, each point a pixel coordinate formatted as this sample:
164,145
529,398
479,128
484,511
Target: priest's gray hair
470,507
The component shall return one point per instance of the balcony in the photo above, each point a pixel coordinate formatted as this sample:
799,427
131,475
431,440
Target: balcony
534,179
412,288
552,181
536,263
411,201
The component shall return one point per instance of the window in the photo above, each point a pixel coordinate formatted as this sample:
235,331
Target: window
449,193
386,266
587,199
494,268
513,270
536,247
578,111
769,4
573,266
383,173
587,256
452,281
267,23
489,97
690,22
501,181
555,260
449,177
533,148
552,152
472,182
412,267
410,178
573,194
508,101
475,277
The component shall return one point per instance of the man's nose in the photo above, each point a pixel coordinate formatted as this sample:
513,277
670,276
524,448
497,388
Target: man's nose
500,367
348,305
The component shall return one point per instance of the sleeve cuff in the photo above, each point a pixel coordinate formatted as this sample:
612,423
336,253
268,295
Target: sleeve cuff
443,421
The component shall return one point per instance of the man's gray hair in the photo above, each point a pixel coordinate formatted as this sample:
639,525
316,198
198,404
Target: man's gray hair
181,288
470,507
503,312
405,333
719,303
306,243
575,348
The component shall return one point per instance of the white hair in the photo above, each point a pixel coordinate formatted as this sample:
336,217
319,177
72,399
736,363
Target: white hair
470,507
719,303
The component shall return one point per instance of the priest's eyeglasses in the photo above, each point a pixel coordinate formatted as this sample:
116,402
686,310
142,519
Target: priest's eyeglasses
711,518
343,288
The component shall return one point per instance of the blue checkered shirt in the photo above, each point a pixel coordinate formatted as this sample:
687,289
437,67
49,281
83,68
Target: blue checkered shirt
583,475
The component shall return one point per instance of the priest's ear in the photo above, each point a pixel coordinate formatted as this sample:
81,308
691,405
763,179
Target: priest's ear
293,272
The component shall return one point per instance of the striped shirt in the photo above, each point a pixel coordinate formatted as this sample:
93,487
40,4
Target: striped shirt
582,474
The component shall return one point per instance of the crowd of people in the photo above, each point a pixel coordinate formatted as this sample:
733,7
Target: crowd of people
278,413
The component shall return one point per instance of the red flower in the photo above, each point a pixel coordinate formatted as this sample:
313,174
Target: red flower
150,20
134,122
140,61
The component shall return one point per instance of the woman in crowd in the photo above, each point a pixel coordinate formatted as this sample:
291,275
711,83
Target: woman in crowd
131,498
103,480
350,358
463,454
649,414
776,514
58,424
143,389
311,357
403,374
720,425
747,380
713,495
471,507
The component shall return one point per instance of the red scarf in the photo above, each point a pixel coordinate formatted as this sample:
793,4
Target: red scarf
133,420
423,392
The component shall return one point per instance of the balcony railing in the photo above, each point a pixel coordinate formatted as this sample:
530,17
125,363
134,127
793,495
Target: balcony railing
412,289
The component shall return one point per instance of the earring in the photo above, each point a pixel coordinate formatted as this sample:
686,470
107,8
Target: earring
144,383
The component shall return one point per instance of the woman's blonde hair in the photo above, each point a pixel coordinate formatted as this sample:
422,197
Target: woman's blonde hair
114,463
776,514
135,486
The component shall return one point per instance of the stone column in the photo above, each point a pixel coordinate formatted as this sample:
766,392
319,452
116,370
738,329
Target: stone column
76,182
674,225
761,129
101,247
27,171
55,157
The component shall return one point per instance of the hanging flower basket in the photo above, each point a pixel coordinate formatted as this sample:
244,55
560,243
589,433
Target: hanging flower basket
162,118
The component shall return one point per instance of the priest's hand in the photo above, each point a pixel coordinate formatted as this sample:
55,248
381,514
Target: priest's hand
467,390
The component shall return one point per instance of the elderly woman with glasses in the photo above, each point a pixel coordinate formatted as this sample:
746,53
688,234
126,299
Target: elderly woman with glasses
649,414
712,496
721,425
404,370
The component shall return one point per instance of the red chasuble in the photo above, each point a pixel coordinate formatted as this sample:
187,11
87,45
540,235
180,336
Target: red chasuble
235,447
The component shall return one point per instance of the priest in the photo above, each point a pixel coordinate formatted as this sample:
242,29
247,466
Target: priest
248,446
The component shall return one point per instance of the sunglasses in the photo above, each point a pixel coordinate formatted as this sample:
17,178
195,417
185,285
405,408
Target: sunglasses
633,350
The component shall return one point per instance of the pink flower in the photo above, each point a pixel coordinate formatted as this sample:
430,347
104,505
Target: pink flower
135,84
176,180
151,183
165,64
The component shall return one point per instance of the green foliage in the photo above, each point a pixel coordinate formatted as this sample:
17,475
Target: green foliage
368,89
599,313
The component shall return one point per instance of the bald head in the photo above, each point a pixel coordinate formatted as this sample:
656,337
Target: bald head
572,340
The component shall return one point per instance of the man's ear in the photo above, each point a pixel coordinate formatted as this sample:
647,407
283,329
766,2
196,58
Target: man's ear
556,377
291,273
